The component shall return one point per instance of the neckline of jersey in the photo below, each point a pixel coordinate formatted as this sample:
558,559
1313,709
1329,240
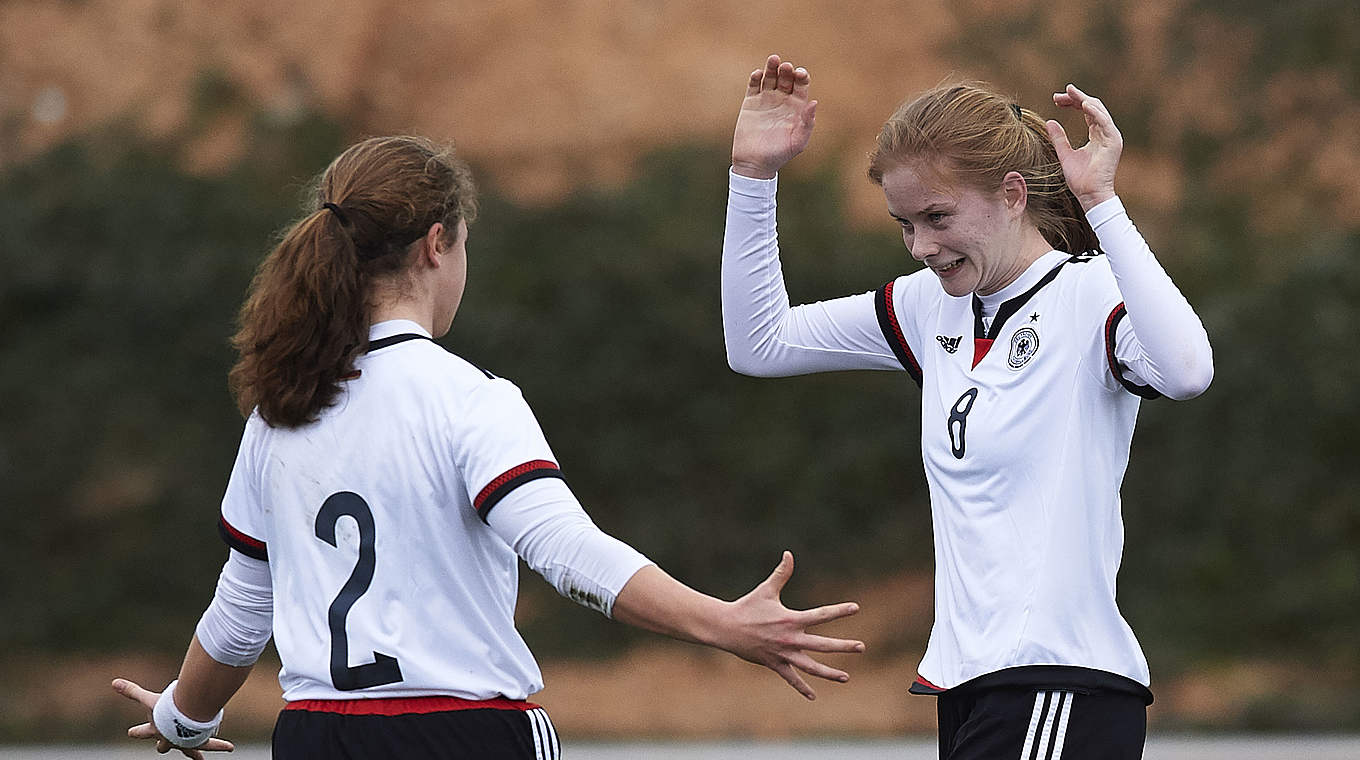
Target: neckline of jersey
1010,306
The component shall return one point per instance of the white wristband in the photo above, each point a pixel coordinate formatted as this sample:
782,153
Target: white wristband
179,729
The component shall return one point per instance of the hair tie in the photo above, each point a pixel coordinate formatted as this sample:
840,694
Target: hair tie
334,209
1015,109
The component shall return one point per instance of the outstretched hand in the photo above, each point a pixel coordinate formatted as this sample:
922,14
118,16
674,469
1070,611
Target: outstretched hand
770,634
148,730
1090,169
775,121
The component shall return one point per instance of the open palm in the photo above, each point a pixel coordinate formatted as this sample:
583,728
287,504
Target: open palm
775,121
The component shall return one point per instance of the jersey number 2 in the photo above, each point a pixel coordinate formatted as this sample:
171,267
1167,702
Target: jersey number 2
958,421
384,668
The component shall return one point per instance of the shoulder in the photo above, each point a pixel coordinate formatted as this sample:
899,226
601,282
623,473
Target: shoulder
1088,282
913,291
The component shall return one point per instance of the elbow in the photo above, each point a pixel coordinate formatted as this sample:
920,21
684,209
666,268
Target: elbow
1192,382
747,363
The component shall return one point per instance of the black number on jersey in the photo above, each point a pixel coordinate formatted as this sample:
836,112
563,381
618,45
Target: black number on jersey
384,668
958,421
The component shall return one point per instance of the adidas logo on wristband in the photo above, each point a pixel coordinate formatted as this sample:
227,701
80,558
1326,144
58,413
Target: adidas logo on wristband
184,732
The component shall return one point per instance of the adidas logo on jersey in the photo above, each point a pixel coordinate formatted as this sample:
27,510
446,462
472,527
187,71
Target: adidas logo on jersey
950,344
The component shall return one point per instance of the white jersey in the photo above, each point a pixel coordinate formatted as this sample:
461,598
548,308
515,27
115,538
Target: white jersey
386,580
1028,404
1025,432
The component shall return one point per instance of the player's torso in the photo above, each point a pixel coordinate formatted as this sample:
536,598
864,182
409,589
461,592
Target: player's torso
385,579
998,402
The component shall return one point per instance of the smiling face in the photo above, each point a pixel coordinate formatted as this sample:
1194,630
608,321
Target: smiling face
972,240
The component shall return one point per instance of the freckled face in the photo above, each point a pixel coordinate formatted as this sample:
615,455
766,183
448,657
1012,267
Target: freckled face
967,237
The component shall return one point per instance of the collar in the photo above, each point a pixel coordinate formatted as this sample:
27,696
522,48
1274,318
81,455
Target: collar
396,327
1032,274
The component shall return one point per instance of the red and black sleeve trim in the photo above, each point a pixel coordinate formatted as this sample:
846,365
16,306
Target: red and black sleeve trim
510,480
1116,367
892,332
251,547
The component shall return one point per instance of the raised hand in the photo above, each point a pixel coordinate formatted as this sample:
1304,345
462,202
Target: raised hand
775,121
767,633
1090,169
148,730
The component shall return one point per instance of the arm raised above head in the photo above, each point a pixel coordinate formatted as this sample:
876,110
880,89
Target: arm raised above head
765,337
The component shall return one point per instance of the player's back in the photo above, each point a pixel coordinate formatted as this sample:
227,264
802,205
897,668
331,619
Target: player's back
386,583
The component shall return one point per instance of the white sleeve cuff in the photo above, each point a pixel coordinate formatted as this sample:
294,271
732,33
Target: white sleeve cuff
752,187
1105,211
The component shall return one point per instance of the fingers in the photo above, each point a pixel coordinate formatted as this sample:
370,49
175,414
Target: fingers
782,572
753,85
218,745
815,643
1092,108
801,80
779,75
786,77
1058,135
825,614
143,731
770,76
820,670
136,693
787,672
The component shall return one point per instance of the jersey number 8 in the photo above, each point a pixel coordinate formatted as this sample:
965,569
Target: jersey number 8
958,421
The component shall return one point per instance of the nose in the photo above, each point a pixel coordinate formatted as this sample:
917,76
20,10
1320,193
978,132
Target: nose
920,245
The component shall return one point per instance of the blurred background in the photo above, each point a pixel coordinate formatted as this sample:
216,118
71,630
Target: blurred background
151,149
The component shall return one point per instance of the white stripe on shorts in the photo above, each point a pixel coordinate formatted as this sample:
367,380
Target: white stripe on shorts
1048,723
1062,727
546,746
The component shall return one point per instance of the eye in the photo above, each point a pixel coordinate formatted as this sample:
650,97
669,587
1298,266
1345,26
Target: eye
936,217
905,225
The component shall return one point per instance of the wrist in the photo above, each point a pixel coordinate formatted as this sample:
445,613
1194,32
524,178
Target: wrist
178,728
753,171
1089,201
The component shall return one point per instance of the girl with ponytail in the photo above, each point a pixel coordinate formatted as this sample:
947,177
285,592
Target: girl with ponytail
384,491
1038,323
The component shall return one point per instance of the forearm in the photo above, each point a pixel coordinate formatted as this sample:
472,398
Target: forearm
206,685
545,524
655,601
1172,350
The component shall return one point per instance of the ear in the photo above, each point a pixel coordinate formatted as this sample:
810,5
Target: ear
1015,191
433,245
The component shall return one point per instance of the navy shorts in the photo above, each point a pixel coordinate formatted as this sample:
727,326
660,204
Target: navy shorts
423,727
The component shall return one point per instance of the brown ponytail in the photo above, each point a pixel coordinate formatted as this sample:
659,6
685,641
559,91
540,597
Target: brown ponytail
306,316
971,132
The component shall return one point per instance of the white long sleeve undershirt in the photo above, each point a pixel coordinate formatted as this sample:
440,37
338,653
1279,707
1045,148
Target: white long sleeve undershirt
1164,344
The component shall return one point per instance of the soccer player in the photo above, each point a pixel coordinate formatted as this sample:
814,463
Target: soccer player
382,491
1032,350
